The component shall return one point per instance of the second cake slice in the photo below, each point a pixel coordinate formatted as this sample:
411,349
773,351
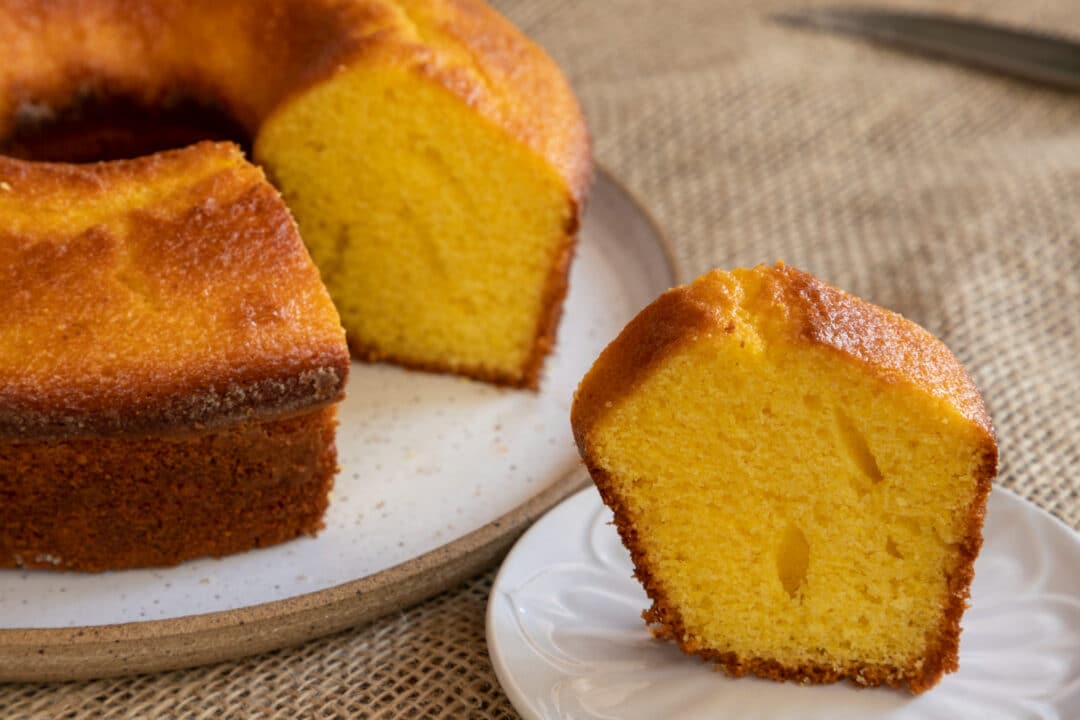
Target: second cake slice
800,477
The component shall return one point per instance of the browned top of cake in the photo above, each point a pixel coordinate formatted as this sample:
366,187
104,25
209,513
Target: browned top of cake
788,304
166,293
246,58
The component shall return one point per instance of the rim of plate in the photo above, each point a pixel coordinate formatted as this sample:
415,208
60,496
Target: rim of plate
99,651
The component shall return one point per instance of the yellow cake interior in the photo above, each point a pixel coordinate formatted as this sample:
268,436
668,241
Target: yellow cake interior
379,166
790,505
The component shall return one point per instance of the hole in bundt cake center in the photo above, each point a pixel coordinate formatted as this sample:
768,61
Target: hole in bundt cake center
96,127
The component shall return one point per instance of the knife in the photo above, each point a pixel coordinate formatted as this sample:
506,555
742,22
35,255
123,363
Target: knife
1043,58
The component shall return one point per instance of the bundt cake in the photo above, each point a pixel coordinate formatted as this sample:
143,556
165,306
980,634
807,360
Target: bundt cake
800,477
169,363
434,158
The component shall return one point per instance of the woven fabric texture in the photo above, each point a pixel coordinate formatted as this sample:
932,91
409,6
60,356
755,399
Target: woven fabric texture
948,195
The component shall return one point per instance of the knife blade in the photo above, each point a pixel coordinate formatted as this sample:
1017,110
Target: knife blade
1043,58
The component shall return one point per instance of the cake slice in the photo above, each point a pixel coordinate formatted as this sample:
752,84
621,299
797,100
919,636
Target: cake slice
169,363
438,175
800,477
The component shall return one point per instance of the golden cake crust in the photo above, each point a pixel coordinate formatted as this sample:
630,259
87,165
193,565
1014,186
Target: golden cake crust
816,313
165,294
813,313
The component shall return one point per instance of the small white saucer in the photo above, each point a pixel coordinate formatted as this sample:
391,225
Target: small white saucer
566,637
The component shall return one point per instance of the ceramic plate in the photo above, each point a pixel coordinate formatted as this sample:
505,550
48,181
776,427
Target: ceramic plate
438,475
566,637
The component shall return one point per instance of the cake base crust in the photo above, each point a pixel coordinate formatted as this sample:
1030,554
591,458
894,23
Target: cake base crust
110,503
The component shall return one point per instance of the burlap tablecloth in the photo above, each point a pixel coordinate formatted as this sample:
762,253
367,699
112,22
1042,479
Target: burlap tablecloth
950,196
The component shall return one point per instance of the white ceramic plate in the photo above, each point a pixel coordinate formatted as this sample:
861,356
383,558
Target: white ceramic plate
567,640
432,468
